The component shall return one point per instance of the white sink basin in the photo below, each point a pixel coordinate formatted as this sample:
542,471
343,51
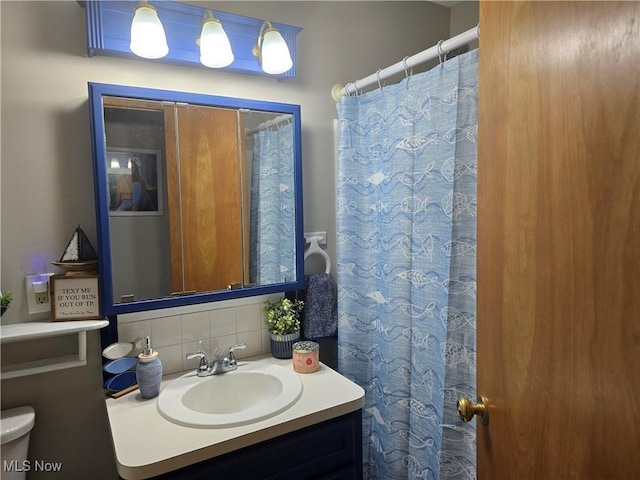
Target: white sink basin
253,392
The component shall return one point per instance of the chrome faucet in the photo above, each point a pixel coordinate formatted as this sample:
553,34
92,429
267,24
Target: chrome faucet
219,364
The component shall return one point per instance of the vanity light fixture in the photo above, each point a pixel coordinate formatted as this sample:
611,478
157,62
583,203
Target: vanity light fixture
215,48
190,36
148,39
272,51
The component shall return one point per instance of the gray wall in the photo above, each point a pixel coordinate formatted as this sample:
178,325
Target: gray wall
141,252
46,173
464,16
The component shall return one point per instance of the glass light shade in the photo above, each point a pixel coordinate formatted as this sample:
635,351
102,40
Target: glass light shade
215,48
148,39
275,53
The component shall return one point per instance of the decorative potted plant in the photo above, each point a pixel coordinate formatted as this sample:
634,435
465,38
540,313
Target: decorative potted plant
5,300
283,322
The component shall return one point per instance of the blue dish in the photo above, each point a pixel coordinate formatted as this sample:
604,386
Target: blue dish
120,365
120,381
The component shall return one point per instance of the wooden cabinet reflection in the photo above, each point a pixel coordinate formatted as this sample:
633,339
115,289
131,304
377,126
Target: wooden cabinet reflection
205,204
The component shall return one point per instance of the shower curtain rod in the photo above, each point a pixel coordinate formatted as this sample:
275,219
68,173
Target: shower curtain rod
443,47
269,123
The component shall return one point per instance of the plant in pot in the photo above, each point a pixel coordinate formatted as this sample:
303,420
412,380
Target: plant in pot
5,300
283,322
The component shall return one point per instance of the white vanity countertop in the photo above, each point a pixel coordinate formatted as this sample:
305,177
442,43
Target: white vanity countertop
146,444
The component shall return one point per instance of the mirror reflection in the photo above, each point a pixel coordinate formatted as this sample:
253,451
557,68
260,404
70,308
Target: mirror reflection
200,198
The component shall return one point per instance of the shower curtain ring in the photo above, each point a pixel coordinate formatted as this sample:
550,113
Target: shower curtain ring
440,52
355,89
406,67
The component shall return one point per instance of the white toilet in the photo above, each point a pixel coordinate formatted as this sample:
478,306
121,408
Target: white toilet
15,426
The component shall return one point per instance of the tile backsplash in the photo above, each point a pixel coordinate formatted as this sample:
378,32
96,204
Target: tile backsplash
212,327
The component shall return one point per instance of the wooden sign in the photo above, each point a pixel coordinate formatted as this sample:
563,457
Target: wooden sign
75,297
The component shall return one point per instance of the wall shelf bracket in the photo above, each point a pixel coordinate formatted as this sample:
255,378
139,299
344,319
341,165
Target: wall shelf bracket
20,332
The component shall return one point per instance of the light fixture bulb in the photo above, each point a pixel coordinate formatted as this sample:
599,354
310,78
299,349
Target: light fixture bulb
148,39
215,48
274,53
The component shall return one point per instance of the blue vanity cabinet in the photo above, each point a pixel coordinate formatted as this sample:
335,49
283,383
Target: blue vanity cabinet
331,450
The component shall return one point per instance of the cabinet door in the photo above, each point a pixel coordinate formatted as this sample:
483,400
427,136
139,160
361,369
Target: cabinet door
331,450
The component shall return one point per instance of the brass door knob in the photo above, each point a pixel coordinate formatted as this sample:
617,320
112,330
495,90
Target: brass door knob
467,409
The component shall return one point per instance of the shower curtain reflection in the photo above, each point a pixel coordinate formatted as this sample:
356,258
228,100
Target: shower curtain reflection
271,216
406,228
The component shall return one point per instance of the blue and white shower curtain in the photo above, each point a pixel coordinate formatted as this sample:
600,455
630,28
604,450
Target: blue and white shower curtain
406,258
272,211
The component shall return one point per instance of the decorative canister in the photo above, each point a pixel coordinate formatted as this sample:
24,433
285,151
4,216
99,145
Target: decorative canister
282,345
305,356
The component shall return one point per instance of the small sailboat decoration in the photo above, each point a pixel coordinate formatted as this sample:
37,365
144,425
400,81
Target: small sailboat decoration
79,256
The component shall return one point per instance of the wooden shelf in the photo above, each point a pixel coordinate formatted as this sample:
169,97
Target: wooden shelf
20,332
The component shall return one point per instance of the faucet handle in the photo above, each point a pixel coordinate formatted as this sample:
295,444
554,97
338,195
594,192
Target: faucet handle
231,356
204,362
240,346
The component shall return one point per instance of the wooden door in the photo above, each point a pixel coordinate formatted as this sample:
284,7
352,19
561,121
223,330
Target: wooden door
206,232
559,240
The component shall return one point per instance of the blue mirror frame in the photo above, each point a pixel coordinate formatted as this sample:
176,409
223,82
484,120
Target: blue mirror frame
109,308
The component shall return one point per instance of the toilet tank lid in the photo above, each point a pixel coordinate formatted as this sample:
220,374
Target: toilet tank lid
16,422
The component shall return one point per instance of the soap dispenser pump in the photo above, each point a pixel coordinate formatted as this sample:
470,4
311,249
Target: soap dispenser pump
149,371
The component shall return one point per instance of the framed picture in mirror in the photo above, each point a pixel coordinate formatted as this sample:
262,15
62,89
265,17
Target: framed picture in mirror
134,176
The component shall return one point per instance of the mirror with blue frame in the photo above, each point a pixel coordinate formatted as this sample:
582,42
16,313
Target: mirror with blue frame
198,197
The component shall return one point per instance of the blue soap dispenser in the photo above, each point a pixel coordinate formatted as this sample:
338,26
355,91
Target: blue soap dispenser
149,371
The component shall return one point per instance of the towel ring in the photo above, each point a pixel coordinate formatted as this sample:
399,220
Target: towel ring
314,248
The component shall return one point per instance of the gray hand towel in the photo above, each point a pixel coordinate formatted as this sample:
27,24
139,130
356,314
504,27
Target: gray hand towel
320,316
